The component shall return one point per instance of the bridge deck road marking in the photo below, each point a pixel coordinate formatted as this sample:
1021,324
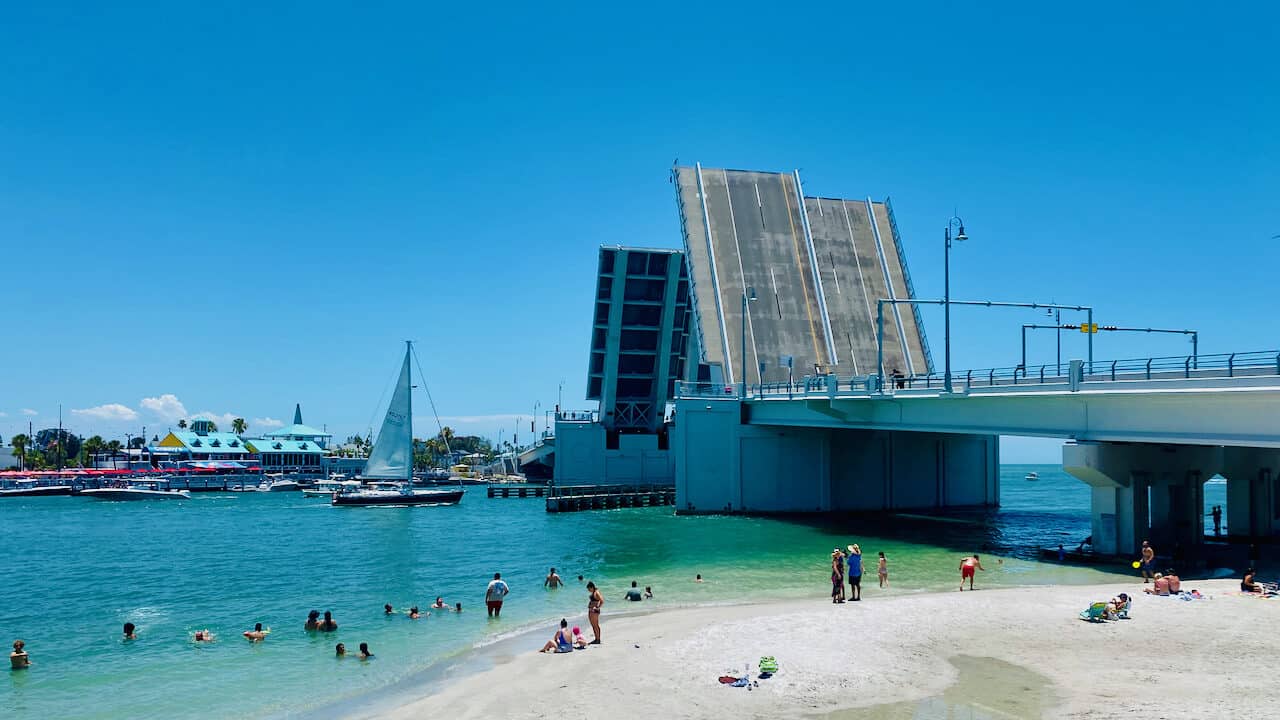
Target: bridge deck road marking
871,317
795,244
737,246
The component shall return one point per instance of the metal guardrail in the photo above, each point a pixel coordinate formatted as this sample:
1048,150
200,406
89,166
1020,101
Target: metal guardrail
1260,363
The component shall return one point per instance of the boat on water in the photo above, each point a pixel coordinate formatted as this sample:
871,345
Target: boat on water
326,488
275,482
1033,475
31,487
140,490
389,469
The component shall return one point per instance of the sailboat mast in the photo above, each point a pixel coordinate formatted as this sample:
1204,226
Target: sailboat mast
408,350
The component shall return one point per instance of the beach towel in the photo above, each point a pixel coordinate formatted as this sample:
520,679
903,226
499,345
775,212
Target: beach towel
768,664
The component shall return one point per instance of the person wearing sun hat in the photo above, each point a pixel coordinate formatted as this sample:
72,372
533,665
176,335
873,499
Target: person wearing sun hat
853,569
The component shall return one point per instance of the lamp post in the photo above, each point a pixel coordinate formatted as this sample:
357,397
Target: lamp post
748,296
946,294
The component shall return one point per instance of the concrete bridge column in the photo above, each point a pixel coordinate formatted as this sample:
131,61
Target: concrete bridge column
1144,492
1252,476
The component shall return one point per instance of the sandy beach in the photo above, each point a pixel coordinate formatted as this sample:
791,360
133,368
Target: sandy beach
1019,652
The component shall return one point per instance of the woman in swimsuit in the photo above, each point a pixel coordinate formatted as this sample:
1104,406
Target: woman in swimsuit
883,570
595,601
1248,584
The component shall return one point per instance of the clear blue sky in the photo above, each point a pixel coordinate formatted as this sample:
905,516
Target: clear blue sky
246,206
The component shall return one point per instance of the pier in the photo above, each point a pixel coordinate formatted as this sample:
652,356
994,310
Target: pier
517,490
574,498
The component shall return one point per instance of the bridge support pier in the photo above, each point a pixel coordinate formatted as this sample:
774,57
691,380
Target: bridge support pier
726,465
1156,492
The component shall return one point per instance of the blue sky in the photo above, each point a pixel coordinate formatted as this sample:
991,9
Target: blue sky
213,208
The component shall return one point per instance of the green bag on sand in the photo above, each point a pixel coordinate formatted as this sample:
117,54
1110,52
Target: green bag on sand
768,664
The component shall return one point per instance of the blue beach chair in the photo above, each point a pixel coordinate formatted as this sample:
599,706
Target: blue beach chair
1097,612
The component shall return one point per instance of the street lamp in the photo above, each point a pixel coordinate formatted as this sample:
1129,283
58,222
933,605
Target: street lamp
946,295
748,296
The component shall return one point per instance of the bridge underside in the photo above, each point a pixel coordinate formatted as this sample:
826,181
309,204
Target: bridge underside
1144,491
723,465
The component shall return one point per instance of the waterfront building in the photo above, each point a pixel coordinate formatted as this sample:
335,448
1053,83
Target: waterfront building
298,431
200,443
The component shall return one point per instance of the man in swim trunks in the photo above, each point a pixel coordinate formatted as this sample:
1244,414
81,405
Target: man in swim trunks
494,595
634,594
1147,564
19,659
968,566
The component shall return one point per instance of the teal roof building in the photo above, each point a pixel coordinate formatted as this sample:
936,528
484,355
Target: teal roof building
298,431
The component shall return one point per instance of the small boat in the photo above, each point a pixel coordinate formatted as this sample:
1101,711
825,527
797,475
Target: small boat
390,463
30,487
1033,475
326,488
146,490
277,483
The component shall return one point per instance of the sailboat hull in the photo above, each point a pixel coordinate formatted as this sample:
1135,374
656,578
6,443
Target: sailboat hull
417,497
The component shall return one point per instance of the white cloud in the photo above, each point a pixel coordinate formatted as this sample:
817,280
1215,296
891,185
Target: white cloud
29,411
110,411
167,406
266,423
4,414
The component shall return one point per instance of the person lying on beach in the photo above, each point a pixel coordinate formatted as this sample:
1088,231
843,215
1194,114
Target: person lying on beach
1248,584
364,651
1161,586
561,642
203,636
1117,605
1175,582
439,604
257,634
313,621
19,658
579,640
328,624
130,631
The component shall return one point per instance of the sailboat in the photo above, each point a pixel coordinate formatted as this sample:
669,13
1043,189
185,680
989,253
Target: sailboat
389,469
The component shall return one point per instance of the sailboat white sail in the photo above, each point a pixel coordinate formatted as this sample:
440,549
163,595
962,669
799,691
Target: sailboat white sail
392,454
392,457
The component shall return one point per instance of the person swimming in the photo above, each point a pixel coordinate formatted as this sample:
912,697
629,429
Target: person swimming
328,624
413,613
203,636
313,621
458,608
340,650
257,634
388,610
698,578
439,604
129,631
364,651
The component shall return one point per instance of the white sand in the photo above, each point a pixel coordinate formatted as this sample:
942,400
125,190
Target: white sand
1207,658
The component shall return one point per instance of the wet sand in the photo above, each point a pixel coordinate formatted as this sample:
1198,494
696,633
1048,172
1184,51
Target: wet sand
1020,652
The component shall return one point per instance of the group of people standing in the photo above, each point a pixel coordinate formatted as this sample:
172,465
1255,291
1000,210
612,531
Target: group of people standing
849,565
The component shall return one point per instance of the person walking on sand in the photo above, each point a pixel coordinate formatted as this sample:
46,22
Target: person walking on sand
968,566
595,601
882,569
1147,564
853,568
495,594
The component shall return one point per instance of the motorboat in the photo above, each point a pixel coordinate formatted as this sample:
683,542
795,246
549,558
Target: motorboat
1033,475
31,487
277,483
388,471
326,488
140,490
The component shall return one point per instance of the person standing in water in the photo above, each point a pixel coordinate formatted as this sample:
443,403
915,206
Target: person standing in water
968,566
328,624
494,595
553,580
634,593
19,659
882,569
130,631
340,650
313,621
853,568
364,651
257,634
595,602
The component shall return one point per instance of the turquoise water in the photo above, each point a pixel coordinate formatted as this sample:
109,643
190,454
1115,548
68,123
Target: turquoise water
77,569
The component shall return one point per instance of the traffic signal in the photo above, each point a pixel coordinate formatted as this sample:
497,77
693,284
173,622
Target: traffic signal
1088,327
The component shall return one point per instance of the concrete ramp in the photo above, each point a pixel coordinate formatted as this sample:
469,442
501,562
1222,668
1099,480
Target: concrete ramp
817,267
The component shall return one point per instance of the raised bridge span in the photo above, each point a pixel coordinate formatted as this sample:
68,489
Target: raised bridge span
1144,434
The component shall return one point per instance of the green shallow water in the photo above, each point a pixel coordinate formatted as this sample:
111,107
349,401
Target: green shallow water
82,568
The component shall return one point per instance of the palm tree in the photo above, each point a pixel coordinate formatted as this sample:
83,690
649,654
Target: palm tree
182,424
238,426
20,443
92,447
114,447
